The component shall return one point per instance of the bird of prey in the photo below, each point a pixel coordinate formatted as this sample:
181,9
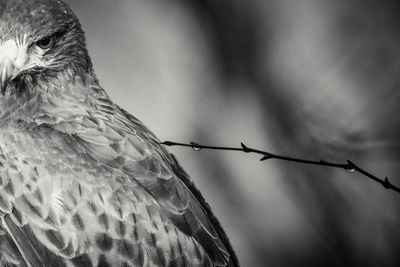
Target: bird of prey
83,182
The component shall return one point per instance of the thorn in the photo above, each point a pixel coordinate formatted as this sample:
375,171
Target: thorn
245,148
386,184
265,157
350,167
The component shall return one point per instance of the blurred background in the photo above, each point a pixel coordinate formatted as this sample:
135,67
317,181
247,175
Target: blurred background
315,79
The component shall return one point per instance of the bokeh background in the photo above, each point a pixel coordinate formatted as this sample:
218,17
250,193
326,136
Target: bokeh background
316,79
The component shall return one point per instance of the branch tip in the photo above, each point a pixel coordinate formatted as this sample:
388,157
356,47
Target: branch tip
167,143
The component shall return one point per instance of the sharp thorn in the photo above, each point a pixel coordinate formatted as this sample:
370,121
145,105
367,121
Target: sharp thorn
245,148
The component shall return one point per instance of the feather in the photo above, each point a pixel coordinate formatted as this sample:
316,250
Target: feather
83,182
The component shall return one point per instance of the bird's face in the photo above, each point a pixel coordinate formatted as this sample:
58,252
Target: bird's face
41,42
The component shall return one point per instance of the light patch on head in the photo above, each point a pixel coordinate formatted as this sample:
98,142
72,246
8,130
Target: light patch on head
18,55
15,52
9,49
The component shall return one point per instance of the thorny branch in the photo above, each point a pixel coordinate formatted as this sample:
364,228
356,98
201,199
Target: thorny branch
349,166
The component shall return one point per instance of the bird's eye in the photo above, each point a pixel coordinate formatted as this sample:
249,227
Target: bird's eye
46,43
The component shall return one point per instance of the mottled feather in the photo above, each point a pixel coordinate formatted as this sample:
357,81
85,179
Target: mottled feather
83,182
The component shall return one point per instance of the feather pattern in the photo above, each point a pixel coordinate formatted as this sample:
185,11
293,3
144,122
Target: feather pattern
80,208
83,182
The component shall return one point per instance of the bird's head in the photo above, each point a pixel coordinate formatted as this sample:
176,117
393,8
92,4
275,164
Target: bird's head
41,44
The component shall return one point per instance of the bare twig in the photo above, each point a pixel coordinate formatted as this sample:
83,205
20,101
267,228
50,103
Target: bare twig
349,166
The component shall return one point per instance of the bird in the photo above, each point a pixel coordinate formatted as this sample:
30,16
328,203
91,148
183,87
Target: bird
82,181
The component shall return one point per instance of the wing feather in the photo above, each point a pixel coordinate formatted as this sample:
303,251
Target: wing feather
112,175
32,251
150,165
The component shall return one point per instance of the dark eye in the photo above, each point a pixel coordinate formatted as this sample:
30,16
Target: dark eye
46,43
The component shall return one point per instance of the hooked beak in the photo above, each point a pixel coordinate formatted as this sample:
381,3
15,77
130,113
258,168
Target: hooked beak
10,57
7,69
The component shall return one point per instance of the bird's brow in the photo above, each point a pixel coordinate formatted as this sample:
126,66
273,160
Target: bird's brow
57,31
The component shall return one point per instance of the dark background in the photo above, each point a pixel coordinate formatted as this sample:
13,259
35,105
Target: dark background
315,79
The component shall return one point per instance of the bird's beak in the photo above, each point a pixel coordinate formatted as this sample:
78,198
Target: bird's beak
9,56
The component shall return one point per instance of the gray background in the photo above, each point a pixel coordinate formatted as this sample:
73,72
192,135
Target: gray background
315,79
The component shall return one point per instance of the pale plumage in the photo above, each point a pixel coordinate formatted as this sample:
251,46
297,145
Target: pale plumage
82,182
